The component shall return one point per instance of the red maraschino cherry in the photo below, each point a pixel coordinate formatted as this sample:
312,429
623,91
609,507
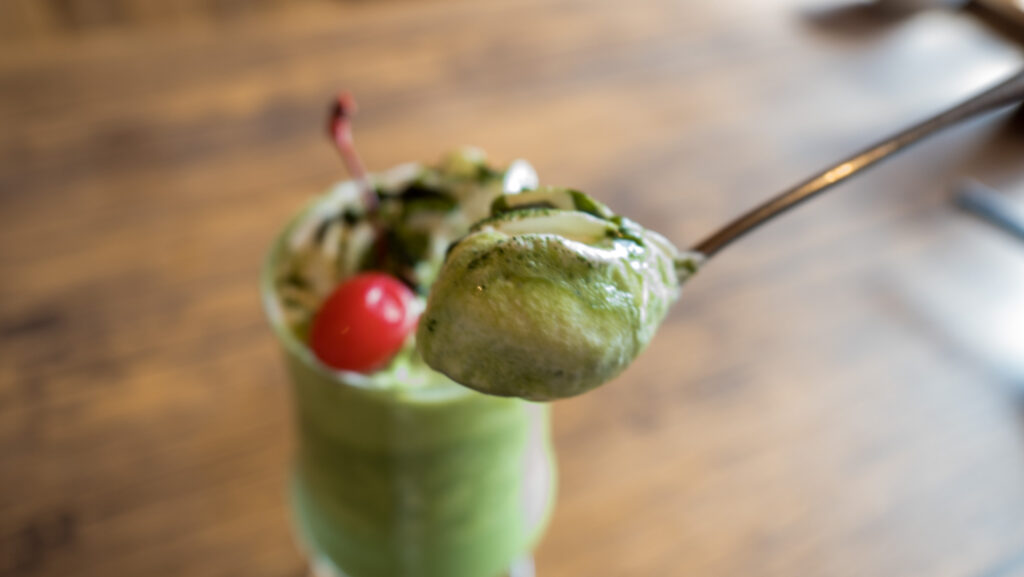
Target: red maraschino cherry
364,323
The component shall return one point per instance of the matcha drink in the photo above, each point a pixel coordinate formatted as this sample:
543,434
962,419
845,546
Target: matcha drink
517,291
400,472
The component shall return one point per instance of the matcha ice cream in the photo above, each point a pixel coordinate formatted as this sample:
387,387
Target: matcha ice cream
549,297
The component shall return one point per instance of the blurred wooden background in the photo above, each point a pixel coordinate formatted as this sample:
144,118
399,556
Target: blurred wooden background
26,19
840,394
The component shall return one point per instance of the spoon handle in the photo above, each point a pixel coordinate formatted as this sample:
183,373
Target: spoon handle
1005,93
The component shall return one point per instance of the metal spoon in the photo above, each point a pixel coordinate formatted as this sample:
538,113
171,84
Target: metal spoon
1007,92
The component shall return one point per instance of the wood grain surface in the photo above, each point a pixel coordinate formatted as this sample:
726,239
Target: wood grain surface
840,394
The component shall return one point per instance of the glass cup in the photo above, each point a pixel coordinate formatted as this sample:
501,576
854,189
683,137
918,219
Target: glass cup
431,481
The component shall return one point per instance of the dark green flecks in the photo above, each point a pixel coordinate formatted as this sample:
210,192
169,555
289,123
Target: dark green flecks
485,174
350,217
539,204
512,215
628,230
500,205
296,280
551,197
690,266
479,260
420,190
585,203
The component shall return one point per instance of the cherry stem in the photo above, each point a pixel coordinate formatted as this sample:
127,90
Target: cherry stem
339,127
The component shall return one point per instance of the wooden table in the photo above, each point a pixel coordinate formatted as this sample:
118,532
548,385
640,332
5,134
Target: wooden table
840,394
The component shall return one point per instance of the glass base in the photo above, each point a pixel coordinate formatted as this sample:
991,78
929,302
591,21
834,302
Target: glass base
322,567
522,568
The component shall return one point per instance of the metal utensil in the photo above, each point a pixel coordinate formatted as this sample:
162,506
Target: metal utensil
1005,93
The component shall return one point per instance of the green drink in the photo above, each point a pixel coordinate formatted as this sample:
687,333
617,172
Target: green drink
402,472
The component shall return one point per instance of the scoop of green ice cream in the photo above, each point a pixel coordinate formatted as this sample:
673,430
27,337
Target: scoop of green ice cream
548,298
